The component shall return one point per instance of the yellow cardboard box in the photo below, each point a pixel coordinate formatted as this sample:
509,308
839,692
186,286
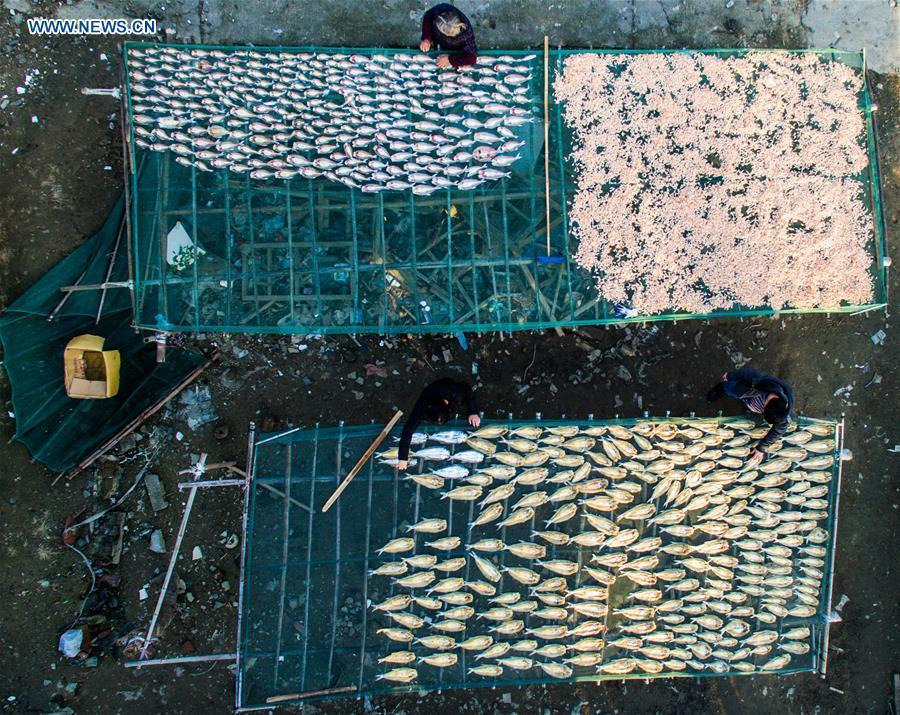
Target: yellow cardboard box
92,373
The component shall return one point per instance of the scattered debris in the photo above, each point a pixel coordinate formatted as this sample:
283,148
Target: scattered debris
157,543
155,492
878,338
835,615
70,642
196,407
197,554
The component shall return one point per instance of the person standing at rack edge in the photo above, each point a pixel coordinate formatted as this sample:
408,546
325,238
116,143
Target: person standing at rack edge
446,27
761,394
438,403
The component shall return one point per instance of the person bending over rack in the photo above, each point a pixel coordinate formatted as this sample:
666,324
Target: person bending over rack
446,27
438,402
763,395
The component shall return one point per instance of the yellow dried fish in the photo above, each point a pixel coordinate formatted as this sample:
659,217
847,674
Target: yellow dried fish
448,543
549,632
557,538
527,550
489,671
556,583
535,498
621,666
564,513
437,642
395,546
509,458
451,565
394,603
429,481
431,604
519,516
399,675
492,513
560,566
467,492
591,609
416,580
523,575
486,567
400,635
482,588
392,568
447,585
487,545
482,445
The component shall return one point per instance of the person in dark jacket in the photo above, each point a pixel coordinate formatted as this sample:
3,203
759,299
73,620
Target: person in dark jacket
446,27
438,402
761,394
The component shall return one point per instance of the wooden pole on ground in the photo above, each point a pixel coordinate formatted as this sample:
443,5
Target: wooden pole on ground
547,136
362,460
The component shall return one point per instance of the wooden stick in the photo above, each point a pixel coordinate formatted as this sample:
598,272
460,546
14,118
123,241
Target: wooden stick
168,578
279,493
110,266
181,659
309,694
362,460
547,136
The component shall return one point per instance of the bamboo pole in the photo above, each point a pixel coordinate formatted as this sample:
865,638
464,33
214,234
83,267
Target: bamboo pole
362,460
547,136
309,694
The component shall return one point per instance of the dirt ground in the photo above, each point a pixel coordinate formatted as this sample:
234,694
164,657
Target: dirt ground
60,173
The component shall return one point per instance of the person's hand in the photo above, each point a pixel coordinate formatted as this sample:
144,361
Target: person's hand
402,465
425,45
443,62
756,457
474,420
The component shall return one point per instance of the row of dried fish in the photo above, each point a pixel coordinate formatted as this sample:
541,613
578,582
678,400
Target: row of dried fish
372,123
676,579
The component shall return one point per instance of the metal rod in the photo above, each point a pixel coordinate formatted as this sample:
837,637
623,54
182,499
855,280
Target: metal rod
833,543
127,161
870,309
171,568
195,277
95,286
337,551
181,659
279,435
547,136
211,483
63,300
290,237
251,468
309,542
285,533
365,596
